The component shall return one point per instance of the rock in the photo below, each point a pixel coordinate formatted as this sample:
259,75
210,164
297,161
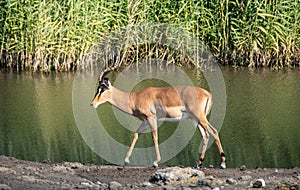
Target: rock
73,165
186,188
4,187
103,186
62,169
136,185
114,185
231,181
173,174
243,168
7,170
88,185
30,168
27,179
285,186
46,161
245,178
205,188
193,185
168,188
210,177
146,184
59,168
3,169
295,187
204,181
258,183
216,183
211,182
81,186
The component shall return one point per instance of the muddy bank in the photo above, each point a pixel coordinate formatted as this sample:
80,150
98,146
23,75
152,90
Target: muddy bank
19,174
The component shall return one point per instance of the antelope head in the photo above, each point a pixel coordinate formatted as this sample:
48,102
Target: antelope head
103,93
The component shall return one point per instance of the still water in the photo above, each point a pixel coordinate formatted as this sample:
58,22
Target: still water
261,126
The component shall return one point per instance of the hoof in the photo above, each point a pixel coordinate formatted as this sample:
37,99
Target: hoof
197,166
126,162
155,164
223,166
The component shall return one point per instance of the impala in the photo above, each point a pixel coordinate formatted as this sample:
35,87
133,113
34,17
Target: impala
151,105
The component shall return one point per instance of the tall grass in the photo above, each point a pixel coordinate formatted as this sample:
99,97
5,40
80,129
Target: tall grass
55,35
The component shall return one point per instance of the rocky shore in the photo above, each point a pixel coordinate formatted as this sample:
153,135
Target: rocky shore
19,174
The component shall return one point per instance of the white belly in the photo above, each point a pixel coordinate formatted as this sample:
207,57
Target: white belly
184,116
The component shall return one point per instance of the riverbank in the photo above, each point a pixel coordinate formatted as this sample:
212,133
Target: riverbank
19,174
51,35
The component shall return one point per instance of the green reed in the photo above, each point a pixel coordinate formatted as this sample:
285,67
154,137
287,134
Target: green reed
55,35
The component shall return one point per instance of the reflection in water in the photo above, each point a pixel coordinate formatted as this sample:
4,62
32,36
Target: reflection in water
36,120
261,118
261,126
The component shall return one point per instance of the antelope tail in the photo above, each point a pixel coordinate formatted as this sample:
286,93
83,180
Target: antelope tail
207,106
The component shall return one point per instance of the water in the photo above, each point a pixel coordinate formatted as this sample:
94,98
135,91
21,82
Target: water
261,126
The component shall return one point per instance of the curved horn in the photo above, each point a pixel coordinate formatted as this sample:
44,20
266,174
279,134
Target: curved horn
109,69
103,73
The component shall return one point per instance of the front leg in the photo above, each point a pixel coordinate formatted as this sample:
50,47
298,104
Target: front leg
136,135
155,140
153,125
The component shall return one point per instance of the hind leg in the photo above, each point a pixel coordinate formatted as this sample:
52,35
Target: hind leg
205,138
207,127
215,134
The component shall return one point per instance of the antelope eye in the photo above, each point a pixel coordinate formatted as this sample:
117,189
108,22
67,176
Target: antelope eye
100,90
